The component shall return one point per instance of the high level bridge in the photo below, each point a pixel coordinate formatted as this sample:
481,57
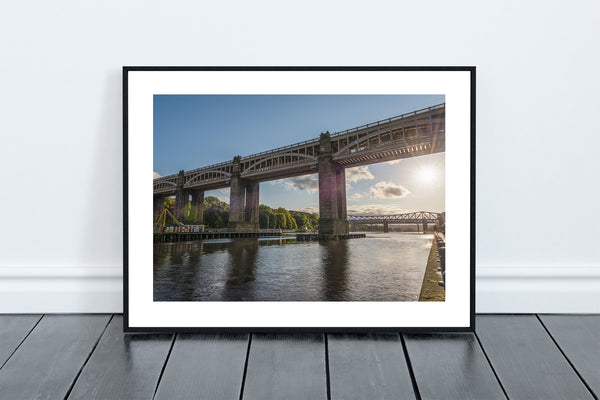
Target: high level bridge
413,134
418,217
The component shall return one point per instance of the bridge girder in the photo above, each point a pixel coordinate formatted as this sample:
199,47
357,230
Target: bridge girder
409,135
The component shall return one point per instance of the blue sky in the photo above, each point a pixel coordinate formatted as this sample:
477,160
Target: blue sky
192,131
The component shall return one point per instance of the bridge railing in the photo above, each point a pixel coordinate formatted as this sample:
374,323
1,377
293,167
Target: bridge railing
392,119
279,149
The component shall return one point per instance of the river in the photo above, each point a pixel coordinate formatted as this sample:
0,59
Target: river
380,267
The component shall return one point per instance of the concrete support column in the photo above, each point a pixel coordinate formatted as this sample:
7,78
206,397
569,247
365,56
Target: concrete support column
237,199
386,227
252,203
332,192
243,201
159,202
424,225
340,191
181,197
353,226
197,210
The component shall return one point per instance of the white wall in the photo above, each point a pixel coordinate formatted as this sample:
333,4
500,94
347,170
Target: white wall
538,101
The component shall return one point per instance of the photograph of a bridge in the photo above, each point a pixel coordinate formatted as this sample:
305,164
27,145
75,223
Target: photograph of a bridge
334,217
266,201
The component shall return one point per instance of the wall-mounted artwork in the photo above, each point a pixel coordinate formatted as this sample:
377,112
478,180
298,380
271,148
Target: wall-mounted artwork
314,199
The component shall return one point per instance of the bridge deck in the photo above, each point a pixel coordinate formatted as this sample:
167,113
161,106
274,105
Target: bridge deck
413,134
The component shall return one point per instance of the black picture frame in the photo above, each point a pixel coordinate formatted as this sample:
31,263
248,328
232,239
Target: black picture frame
126,228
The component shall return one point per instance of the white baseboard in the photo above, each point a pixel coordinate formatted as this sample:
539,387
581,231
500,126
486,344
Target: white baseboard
51,289
536,289
505,289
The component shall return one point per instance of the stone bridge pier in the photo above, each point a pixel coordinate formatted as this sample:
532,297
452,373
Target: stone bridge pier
243,202
159,204
183,197
386,227
197,207
333,214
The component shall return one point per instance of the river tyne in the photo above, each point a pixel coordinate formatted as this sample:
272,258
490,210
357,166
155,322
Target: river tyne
380,267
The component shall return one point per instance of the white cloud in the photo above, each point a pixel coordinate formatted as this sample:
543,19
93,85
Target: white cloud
311,210
156,175
376,209
355,196
369,209
387,190
310,183
394,162
224,199
224,191
356,174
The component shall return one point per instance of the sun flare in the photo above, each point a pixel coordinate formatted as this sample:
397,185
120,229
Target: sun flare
427,175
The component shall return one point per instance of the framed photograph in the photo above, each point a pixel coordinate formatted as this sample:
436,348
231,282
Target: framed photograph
299,198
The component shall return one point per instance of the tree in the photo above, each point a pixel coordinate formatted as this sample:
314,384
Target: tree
281,221
216,212
288,221
216,215
266,217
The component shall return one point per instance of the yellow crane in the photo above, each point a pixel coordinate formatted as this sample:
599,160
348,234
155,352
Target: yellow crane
163,218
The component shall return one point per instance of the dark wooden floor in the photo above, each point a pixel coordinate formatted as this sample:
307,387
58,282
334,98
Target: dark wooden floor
510,356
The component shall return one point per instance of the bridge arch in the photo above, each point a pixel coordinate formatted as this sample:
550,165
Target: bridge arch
158,184
198,177
254,166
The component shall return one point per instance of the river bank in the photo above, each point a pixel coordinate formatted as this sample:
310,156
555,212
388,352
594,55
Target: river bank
433,288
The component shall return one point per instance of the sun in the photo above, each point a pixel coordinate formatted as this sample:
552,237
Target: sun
427,175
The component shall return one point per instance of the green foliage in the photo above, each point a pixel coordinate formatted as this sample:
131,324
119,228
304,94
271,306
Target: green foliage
216,215
216,212
285,219
266,217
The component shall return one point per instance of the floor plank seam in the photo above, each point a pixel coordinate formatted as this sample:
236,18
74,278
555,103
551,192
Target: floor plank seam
491,366
88,358
411,372
21,342
567,358
246,366
162,371
327,374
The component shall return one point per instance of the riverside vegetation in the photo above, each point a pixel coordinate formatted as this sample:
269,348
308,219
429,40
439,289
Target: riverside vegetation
216,215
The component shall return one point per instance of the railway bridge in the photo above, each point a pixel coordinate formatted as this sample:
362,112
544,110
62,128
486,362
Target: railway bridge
413,134
421,218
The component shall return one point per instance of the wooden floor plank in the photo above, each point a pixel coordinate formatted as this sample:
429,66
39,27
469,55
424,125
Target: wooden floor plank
579,338
204,367
451,366
13,329
526,360
285,366
123,366
46,364
368,366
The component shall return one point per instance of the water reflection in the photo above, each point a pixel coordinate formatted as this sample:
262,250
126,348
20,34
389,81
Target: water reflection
242,266
386,267
334,264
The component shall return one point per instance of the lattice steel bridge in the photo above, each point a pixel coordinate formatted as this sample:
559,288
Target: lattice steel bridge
418,217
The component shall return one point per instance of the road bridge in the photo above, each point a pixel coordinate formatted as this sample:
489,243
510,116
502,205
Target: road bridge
419,217
413,134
